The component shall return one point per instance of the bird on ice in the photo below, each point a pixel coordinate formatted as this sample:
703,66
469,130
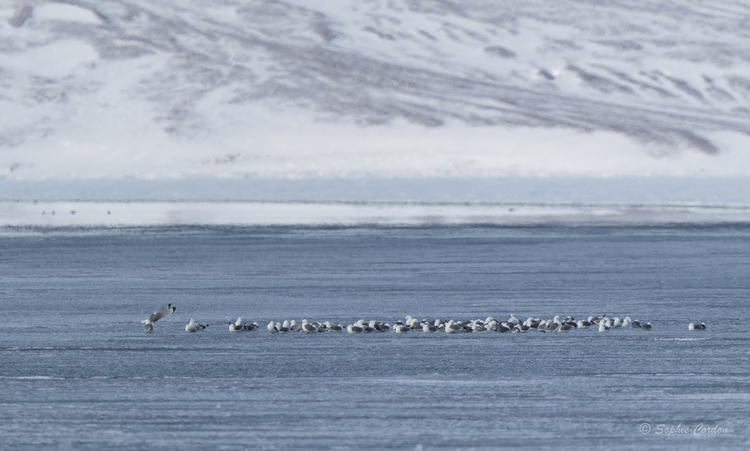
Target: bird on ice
156,316
192,326
236,326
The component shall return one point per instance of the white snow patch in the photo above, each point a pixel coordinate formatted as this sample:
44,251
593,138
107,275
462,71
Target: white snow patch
121,141
56,60
65,12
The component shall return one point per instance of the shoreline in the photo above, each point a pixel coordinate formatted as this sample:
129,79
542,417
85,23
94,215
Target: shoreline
120,213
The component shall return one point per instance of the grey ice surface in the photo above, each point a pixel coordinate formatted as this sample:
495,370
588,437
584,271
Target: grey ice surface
554,190
78,376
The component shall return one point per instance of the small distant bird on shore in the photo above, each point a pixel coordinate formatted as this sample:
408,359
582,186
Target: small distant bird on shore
156,316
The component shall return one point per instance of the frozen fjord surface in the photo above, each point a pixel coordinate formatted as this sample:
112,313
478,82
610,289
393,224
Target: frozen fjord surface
717,191
295,89
80,375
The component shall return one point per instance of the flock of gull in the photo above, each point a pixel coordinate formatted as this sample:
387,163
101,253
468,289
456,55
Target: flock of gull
512,325
410,324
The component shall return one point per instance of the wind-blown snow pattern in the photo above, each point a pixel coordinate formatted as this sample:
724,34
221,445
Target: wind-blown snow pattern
162,90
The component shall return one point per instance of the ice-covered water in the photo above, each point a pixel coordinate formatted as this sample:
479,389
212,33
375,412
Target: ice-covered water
79,372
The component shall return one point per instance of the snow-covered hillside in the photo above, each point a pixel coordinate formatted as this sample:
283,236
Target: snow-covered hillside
157,89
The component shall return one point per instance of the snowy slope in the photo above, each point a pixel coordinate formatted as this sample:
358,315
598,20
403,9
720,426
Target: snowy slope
151,89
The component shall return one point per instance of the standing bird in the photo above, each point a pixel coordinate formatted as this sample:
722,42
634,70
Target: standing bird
156,316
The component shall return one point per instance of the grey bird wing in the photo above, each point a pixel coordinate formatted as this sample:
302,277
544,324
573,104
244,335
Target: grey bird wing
162,313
